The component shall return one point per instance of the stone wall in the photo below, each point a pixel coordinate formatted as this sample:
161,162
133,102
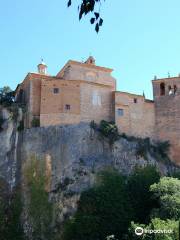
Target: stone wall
96,102
138,117
89,73
53,105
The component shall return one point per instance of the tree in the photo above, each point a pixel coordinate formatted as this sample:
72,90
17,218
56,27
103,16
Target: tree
102,211
167,193
169,227
176,174
6,96
89,6
139,183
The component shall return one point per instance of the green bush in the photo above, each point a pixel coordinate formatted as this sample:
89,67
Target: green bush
109,130
159,150
167,193
156,224
35,122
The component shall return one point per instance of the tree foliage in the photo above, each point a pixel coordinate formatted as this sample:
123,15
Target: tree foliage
90,6
6,96
167,192
156,224
102,210
141,199
108,208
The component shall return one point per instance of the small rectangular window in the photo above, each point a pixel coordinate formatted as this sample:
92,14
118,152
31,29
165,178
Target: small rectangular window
56,90
135,100
120,112
67,107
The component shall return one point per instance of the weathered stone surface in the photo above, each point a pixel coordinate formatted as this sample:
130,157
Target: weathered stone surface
8,150
77,153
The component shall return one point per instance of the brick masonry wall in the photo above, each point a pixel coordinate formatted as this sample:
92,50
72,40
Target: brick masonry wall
167,112
53,105
138,118
89,73
97,112
59,118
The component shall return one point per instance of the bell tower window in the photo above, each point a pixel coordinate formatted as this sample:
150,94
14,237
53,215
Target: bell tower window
162,89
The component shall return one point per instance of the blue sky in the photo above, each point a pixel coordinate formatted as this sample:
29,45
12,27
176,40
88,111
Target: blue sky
139,39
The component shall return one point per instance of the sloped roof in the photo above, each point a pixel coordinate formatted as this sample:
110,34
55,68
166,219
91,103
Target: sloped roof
82,64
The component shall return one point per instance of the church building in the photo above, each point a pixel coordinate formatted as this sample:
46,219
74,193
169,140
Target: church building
83,91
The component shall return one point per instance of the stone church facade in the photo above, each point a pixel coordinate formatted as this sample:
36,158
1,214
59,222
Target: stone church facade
82,92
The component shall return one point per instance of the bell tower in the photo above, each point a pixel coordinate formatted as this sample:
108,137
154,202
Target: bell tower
166,92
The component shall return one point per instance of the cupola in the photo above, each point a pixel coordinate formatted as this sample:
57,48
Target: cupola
42,68
90,60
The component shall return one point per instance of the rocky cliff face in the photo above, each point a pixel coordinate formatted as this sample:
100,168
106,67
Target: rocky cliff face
73,155
76,147
8,149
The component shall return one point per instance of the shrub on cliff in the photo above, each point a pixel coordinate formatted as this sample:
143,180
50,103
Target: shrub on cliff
107,129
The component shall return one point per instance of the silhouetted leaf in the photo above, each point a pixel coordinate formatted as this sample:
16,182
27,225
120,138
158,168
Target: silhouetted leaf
97,27
100,22
92,20
69,3
81,12
96,15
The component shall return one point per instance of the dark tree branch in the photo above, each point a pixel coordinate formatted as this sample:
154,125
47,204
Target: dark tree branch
88,7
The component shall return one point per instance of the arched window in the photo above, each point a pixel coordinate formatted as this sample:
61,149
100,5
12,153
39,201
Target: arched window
162,89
